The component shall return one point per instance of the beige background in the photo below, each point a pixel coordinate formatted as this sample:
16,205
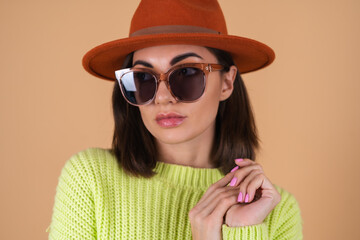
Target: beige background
306,103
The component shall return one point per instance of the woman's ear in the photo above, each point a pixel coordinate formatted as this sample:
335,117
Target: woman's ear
228,79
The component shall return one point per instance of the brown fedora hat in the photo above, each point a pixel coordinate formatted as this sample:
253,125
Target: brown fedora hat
166,22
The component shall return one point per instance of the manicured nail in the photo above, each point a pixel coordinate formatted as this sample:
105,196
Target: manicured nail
247,198
240,197
233,181
234,169
239,160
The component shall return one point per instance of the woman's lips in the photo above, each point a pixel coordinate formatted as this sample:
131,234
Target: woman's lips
168,120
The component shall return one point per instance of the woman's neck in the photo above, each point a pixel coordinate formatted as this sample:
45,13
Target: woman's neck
194,153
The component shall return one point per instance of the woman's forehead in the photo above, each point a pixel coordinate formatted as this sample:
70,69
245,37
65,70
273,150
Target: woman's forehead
168,52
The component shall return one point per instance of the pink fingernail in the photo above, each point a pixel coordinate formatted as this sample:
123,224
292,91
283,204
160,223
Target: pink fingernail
233,181
234,169
240,197
239,160
247,198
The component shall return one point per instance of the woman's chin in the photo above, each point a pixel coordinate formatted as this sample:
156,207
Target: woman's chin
183,133
174,136
169,139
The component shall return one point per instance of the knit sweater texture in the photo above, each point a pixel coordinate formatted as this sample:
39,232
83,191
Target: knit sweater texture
96,199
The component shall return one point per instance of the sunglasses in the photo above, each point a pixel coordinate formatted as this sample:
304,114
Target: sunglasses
186,82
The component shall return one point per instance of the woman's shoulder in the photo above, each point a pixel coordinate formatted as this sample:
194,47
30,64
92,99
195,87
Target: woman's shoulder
92,155
91,162
286,196
286,213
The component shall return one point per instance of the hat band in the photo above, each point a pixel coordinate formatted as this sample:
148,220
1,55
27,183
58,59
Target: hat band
172,29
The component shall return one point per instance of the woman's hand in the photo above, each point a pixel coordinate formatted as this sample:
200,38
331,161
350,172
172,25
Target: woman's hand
207,216
257,196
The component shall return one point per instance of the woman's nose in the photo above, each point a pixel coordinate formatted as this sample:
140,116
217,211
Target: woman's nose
163,95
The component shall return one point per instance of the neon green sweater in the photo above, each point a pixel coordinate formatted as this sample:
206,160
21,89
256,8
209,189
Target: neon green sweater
95,199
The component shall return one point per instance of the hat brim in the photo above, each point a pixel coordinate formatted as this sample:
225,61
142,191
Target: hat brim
248,54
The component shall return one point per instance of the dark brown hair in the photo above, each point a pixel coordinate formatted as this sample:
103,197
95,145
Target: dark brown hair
235,133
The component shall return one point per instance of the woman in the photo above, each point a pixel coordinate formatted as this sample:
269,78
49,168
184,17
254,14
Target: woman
182,161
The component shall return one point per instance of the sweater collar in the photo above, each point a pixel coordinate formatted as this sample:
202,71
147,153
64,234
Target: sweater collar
186,175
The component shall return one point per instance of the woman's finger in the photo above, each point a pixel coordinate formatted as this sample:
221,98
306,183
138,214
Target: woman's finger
225,204
255,183
242,173
219,184
243,192
211,205
241,162
210,197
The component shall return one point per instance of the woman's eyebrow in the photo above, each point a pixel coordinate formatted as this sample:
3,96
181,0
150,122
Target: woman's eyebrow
146,64
182,57
172,62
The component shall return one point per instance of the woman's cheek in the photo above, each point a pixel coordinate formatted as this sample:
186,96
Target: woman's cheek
146,118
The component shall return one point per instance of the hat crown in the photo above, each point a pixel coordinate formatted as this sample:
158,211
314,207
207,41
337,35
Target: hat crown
168,22
202,14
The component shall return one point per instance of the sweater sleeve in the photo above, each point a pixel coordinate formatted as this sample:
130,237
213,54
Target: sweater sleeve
254,232
284,222
73,212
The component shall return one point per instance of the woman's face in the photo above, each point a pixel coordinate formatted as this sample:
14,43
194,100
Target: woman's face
175,122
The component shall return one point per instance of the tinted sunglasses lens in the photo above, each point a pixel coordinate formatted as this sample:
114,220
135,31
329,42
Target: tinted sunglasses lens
138,87
187,83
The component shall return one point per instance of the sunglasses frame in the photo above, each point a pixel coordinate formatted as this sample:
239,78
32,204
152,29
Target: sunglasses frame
205,67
